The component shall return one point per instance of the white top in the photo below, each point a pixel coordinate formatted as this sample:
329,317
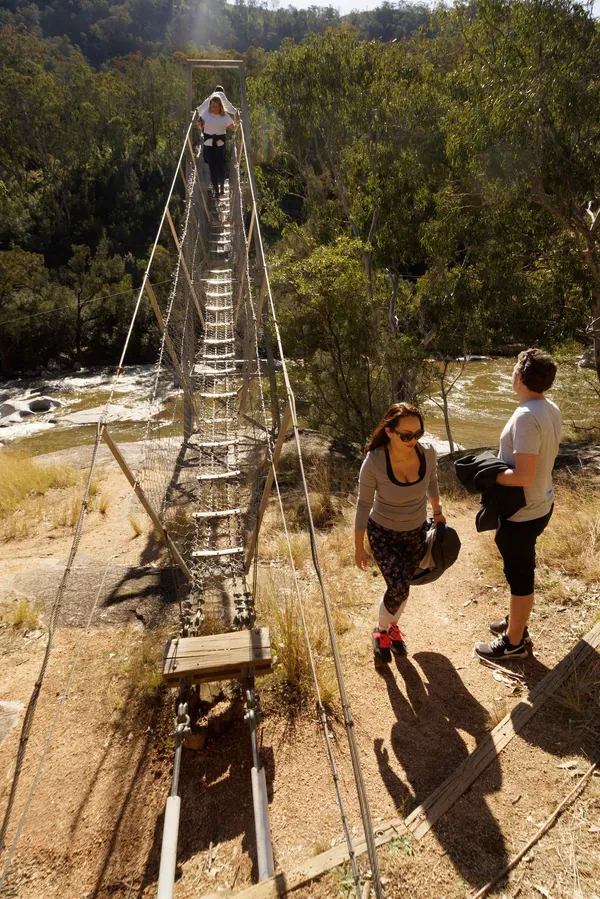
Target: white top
534,427
216,124
227,106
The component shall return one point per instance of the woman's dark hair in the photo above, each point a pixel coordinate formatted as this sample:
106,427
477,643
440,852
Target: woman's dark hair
537,369
219,87
216,100
394,414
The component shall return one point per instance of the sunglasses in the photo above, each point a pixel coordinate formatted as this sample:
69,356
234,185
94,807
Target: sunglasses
406,436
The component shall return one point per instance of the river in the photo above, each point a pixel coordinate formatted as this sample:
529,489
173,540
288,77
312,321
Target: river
479,404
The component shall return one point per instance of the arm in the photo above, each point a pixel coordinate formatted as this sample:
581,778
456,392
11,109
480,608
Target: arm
522,474
433,492
366,492
360,553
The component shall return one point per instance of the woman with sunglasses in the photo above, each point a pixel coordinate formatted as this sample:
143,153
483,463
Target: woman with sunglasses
396,478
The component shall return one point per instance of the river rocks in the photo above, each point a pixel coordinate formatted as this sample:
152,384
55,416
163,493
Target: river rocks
14,411
77,366
587,360
44,404
15,407
53,365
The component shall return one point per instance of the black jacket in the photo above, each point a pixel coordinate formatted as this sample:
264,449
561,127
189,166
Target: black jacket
445,550
477,472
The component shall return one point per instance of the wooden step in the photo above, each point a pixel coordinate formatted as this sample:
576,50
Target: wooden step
216,444
225,308
218,657
219,396
213,341
220,324
215,553
216,421
206,357
220,476
226,373
222,513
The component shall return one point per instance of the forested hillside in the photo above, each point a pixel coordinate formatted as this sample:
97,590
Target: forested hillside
102,29
424,197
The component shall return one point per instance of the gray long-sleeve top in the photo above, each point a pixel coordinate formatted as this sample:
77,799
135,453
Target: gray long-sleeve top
399,507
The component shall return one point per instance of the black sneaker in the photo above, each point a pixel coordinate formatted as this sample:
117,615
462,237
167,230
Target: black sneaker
397,640
501,649
500,627
382,647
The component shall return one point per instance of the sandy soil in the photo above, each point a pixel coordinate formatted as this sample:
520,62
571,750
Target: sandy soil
95,822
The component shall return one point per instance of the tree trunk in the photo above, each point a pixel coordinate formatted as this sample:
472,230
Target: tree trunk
78,330
447,419
595,328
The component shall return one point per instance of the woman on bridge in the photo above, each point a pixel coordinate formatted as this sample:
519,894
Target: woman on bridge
396,478
215,123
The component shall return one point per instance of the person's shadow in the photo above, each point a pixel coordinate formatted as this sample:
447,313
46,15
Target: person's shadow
427,743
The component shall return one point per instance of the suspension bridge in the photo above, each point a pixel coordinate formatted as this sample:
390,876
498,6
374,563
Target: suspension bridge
219,410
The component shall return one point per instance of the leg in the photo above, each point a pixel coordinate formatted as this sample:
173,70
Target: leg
220,166
520,610
516,541
398,555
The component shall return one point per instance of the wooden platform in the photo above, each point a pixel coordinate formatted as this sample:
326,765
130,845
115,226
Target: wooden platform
220,657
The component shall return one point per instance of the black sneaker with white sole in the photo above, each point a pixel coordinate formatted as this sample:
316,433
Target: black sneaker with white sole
500,627
501,649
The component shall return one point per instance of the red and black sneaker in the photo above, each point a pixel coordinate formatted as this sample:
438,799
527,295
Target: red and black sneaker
397,640
382,647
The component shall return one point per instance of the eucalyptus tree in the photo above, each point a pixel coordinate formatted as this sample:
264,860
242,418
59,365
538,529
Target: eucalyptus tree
524,114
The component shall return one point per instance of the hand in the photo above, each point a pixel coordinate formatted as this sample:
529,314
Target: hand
440,518
360,557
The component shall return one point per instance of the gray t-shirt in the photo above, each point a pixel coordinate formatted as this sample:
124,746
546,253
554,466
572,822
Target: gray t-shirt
396,506
534,428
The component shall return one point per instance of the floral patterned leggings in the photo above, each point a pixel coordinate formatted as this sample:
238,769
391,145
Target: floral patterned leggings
398,554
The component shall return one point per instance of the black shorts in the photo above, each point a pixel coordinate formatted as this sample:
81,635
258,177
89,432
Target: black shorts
516,541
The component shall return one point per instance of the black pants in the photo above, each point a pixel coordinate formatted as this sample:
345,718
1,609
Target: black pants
215,158
516,541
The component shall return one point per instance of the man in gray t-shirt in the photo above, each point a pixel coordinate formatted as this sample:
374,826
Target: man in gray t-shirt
529,445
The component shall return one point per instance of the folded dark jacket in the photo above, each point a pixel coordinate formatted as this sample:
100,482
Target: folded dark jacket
445,547
477,472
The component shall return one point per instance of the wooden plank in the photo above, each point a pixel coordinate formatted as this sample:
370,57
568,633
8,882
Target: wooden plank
285,882
184,267
218,657
287,415
169,346
261,300
160,529
422,819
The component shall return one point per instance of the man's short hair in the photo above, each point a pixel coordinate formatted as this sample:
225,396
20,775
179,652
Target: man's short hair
537,368
220,87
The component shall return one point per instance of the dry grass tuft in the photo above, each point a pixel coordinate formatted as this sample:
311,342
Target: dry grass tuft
580,695
498,712
104,503
67,515
23,486
292,684
140,676
137,525
23,615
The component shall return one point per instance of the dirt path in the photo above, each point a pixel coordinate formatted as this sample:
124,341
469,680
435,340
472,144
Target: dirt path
95,823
